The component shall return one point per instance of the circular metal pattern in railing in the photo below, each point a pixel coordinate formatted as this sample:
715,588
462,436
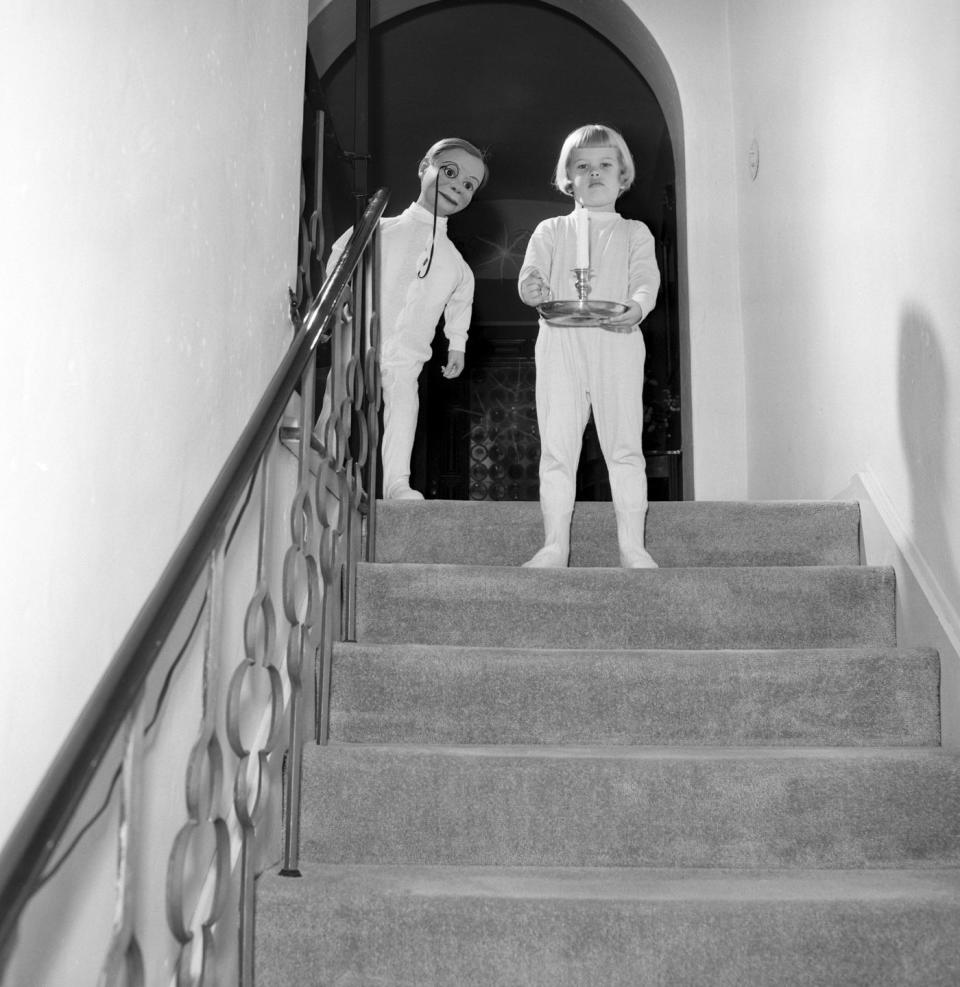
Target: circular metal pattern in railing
355,486
360,429
203,838
331,497
370,376
327,554
353,381
301,585
255,686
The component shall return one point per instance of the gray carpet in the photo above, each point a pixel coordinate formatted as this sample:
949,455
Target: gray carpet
623,927
429,694
681,533
756,607
721,772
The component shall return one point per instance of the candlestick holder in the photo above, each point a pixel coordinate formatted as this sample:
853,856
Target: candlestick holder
581,281
581,311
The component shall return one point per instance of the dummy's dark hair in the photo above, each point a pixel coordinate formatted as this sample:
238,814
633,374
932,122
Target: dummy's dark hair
594,135
454,143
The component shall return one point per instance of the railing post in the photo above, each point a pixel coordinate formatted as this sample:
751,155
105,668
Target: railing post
300,600
371,376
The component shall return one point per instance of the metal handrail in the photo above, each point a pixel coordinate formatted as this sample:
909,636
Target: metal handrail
41,826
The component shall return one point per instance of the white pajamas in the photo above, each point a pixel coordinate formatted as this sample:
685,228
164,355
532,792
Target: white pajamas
579,367
410,308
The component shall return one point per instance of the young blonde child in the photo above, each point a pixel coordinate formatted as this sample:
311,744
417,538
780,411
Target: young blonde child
596,365
423,277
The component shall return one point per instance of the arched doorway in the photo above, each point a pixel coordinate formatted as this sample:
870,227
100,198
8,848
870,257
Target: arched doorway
514,77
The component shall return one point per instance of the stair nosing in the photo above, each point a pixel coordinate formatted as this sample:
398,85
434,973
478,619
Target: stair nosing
646,883
644,752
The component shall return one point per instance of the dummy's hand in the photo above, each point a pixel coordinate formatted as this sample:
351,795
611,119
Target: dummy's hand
534,290
631,317
454,365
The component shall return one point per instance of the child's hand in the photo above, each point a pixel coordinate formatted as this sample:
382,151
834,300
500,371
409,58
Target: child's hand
454,365
631,317
534,290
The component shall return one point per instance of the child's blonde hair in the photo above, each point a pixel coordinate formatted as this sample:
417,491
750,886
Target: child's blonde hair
447,144
594,135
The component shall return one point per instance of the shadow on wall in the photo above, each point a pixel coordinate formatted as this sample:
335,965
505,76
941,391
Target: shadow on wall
923,433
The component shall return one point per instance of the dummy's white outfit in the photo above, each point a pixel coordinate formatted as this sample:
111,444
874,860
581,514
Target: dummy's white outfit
410,308
579,367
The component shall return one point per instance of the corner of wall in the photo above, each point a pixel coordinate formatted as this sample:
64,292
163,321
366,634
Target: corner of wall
925,616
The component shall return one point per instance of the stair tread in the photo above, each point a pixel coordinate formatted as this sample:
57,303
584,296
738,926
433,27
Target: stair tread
632,806
636,883
794,824
567,927
450,694
614,571
686,607
628,752
401,649
678,532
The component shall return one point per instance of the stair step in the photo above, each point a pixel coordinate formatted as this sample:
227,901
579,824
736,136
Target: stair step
519,789
679,533
425,694
631,806
699,608
498,927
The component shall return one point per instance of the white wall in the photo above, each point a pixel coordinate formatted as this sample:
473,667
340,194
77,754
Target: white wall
692,35
168,854
850,252
150,161
681,48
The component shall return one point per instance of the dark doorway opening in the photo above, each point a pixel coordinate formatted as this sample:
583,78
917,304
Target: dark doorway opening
513,77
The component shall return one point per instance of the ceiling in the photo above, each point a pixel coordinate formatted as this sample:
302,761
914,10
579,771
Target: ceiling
513,77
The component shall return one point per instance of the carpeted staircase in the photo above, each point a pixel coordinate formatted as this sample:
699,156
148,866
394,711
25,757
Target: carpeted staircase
721,772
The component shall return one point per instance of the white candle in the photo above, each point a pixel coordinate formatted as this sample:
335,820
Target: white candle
583,238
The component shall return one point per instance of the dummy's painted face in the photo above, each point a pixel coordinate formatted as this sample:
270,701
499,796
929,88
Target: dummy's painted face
597,176
454,178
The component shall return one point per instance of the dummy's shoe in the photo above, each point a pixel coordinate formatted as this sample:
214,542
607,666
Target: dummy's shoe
639,558
549,557
401,490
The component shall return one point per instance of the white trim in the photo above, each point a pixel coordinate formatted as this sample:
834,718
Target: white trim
945,612
925,615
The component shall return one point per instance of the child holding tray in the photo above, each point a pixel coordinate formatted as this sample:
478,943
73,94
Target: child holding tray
598,362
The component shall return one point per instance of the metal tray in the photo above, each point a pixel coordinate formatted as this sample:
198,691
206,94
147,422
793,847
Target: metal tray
573,312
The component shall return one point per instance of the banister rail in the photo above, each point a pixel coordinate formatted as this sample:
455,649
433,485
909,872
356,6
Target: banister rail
35,838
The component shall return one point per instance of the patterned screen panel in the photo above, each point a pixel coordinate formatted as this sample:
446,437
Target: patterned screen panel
504,441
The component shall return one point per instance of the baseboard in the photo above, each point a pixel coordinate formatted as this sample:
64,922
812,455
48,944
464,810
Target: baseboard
925,615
